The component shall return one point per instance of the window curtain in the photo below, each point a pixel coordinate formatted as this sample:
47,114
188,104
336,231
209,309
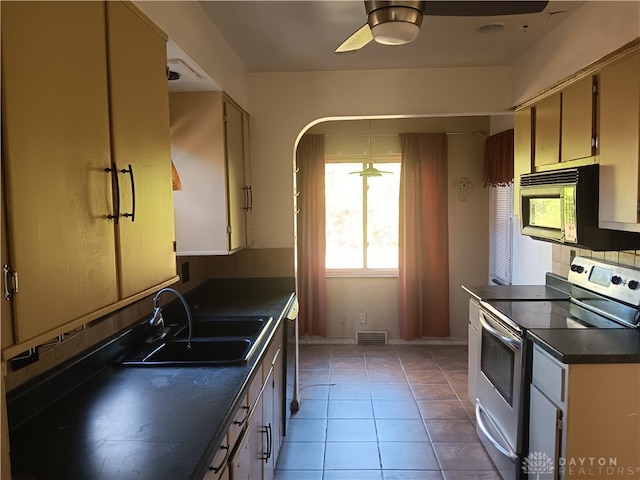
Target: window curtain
498,159
423,270
311,235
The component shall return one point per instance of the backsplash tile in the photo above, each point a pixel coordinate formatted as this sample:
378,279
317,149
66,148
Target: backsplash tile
247,263
561,258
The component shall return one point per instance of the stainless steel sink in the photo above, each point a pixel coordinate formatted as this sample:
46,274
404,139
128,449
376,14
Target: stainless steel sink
228,326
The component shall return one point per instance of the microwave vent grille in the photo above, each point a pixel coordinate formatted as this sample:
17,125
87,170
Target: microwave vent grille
557,177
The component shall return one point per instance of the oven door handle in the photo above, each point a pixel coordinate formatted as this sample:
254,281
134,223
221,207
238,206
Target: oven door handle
514,343
504,450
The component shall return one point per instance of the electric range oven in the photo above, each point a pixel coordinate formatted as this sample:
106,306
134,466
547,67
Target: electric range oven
504,370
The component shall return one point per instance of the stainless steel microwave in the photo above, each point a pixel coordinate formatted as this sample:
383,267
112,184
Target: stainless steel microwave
562,206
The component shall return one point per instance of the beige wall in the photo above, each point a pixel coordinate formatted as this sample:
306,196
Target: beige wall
284,104
468,233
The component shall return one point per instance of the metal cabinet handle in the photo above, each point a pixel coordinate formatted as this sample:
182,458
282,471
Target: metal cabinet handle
269,432
248,198
9,277
131,215
242,422
224,460
116,184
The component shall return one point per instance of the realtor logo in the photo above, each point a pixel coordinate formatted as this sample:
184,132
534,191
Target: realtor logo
537,463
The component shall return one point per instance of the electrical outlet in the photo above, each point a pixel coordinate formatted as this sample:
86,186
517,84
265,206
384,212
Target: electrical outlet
362,317
184,272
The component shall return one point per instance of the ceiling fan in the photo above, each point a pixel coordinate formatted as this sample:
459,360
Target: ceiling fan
397,22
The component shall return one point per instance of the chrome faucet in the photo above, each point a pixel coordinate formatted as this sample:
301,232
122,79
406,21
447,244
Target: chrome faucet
157,322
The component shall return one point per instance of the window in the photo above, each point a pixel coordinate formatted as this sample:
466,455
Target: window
362,218
501,210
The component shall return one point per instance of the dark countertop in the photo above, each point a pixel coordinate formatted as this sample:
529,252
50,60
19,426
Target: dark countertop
148,422
589,345
514,292
568,345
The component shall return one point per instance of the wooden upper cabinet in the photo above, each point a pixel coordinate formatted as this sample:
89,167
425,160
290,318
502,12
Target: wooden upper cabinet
140,141
523,151
565,124
84,90
619,152
547,130
237,189
56,147
6,315
209,142
578,120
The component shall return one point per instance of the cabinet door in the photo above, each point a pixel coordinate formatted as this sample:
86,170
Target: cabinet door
544,435
277,387
55,148
620,141
474,350
241,459
257,441
578,120
523,151
6,314
237,188
140,135
547,131
247,176
197,143
270,426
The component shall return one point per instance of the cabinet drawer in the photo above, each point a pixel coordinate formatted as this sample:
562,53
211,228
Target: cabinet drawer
239,421
271,360
219,462
256,386
549,375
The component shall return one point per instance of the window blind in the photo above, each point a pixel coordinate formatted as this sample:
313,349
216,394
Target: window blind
501,214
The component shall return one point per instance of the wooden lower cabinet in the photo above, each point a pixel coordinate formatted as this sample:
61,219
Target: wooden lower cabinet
620,145
88,81
255,454
581,412
219,469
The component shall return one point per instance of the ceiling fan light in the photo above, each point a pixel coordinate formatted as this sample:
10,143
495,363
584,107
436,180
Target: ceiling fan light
395,33
395,25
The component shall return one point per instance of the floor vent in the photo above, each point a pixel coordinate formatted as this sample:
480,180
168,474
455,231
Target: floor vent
371,337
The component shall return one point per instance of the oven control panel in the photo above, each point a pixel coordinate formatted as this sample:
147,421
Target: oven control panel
615,281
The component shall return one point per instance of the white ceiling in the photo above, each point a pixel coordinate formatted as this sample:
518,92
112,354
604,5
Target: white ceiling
288,36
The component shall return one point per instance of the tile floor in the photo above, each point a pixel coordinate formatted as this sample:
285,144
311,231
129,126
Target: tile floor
383,412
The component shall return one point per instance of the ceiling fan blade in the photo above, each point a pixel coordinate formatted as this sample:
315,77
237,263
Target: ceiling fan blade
482,8
356,41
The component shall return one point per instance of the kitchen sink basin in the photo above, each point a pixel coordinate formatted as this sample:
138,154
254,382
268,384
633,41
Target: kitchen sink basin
230,326
201,353
216,341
